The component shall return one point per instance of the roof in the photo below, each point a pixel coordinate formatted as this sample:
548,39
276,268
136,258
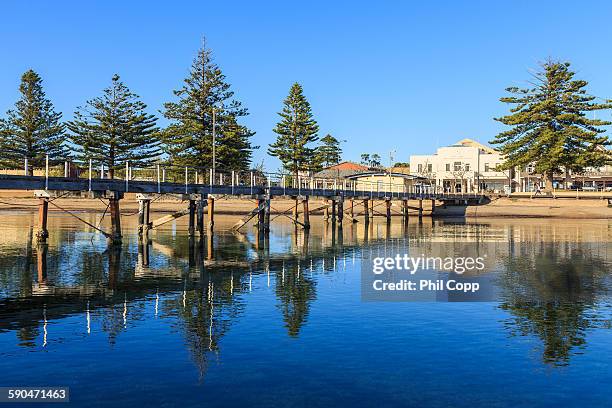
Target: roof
473,143
341,170
384,173
347,165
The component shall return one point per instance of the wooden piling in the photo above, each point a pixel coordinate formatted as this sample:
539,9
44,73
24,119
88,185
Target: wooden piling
405,209
296,209
340,209
433,206
260,213
333,210
211,213
41,262
352,209
366,210
115,216
388,204
326,211
200,218
371,208
267,215
43,208
420,208
144,211
306,213
192,213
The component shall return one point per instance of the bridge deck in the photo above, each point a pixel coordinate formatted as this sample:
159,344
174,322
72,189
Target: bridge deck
14,182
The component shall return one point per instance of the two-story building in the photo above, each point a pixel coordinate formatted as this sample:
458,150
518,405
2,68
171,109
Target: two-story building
466,166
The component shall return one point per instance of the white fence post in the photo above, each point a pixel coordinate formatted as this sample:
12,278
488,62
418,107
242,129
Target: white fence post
186,175
158,180
90,170
47,172
127,175
25,167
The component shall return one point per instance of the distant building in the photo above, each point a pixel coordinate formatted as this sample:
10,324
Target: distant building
341,170
466,166
384,181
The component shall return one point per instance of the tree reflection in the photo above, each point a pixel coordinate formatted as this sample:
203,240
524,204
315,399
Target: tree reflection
295,292
551,290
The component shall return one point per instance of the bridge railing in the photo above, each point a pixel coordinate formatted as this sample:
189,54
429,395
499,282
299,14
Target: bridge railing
163,173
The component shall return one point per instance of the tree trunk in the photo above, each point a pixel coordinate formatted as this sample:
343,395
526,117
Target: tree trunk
548,180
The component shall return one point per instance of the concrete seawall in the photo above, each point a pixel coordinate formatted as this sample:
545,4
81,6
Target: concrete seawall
532,208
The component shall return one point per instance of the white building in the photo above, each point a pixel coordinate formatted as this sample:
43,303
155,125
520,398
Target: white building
466,166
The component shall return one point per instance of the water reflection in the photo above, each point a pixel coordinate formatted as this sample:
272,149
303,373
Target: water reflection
553,280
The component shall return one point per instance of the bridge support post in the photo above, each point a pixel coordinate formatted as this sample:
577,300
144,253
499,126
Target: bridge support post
333,210
144,211
326,211
371,208
366,210
43,208
340,209
41,261
433,206
211,213
115,216
405,209
296,211
352,209
388,205
192,213
306,213
267,214
420,208
260,213
200,218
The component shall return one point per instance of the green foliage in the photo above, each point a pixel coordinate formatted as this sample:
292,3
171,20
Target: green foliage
33,129
549,124
401,164
329,151
373,160
295,131
114,128
189,137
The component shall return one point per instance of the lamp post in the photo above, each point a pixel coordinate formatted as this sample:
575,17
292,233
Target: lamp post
214,158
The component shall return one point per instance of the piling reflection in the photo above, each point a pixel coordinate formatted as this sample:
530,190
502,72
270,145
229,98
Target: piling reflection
550,286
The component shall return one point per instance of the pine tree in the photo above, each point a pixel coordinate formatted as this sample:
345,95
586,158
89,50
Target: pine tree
296,130
188,139
115,128
550,127
33,129
329,151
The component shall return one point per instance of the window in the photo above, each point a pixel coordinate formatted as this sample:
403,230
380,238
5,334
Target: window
430,167
420,168
457,166
467,167
447,166
487,167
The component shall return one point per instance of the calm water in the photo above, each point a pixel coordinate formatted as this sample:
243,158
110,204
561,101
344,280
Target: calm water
234,321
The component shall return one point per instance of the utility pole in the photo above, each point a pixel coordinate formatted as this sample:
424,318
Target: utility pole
214,158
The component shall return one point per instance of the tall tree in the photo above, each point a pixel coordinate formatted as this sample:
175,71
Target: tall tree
189,137
296,130
329,151
550,127
33,129
115,128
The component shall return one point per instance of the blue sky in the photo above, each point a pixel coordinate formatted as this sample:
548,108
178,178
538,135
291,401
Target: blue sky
394,75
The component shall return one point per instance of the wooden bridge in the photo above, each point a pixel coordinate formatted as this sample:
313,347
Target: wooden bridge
262,187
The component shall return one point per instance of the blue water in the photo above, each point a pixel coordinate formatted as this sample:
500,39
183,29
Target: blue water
281,323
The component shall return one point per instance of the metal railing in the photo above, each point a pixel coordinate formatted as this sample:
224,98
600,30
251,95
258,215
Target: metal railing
189,176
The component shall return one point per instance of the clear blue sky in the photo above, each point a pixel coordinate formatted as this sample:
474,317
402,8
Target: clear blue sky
384,75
